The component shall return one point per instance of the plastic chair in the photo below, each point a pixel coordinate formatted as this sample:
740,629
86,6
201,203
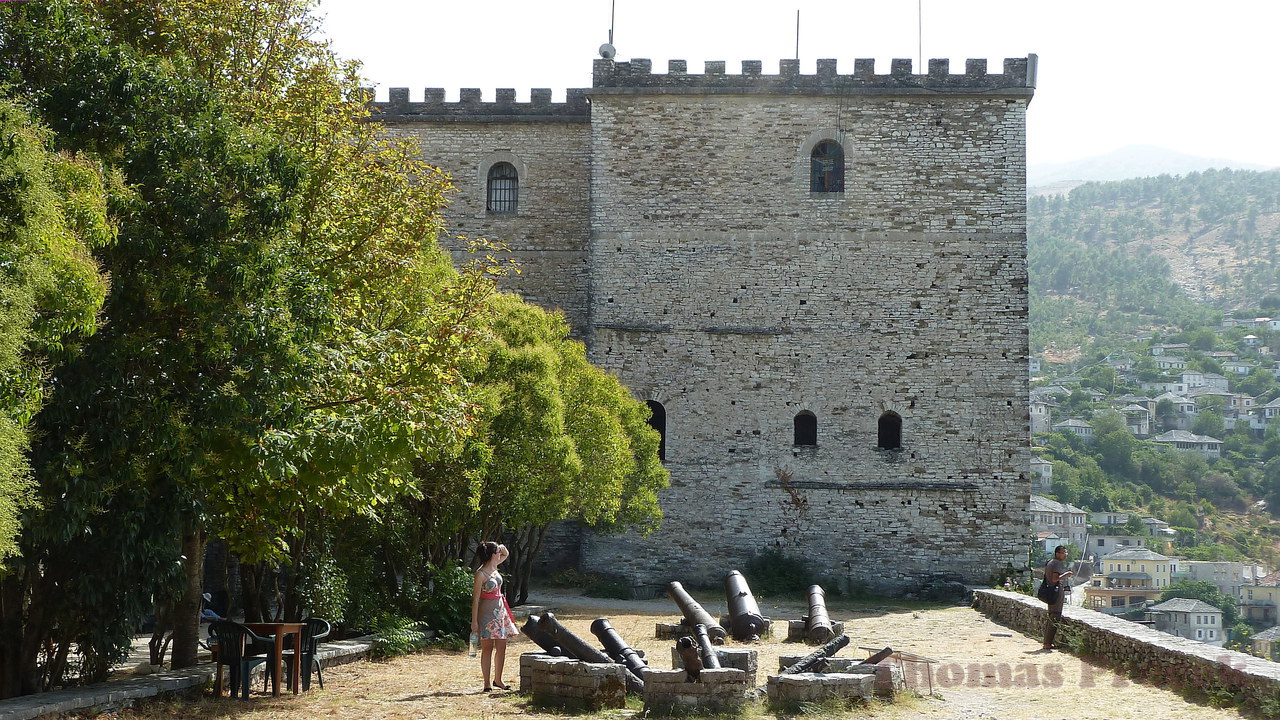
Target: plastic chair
311,634
232,638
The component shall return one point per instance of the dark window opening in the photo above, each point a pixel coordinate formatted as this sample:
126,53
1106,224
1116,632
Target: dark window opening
890,436
806,428
826,167
659,422
504,188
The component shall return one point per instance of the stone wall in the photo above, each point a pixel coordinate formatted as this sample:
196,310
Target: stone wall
547,235
1146,653
677,228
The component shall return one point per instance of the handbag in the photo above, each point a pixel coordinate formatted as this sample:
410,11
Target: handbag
1047,593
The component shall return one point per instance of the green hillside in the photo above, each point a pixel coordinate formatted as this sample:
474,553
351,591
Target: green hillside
1124,259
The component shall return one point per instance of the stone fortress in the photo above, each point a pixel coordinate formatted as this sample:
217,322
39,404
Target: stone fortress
818,283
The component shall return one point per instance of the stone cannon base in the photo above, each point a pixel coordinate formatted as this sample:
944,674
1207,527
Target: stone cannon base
888,677
787,691
575,685
743,659
797,631
669,692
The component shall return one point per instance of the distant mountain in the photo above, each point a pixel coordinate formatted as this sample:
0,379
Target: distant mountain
1132,161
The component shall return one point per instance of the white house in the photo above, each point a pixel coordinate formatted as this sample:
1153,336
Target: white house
1041,416
1214,380
1067,521
1190,618
1190,442
1076,426
1137,419
1228,577
1041,475
1238,367
1103,545
1170,362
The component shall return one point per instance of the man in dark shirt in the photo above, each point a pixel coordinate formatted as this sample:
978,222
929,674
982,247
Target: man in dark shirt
1054,574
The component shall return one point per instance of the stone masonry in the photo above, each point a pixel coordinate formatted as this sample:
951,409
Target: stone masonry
670,217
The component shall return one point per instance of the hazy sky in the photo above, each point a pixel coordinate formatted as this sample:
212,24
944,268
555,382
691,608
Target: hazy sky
1196,77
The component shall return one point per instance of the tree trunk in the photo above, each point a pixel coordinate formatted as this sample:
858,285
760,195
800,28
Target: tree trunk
186,612
251,591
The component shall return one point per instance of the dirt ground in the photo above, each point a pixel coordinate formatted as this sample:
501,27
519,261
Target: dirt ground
984,671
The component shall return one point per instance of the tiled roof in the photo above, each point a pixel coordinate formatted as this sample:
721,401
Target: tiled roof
1185,605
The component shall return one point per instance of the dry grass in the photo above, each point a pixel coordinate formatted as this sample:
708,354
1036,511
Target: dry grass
981,675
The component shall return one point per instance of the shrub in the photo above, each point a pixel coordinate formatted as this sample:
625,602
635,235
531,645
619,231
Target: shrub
773,573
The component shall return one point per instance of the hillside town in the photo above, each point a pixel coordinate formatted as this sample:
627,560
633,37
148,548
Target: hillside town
1174,397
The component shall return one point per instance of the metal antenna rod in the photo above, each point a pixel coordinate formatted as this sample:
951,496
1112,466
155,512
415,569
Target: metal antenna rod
920,34
613,11
797,33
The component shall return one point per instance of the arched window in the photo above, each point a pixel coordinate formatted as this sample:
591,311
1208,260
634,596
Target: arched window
504,188
659,422
826,167
806,428
890,437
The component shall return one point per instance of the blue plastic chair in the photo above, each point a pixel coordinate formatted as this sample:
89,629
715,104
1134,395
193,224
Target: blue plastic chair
235,650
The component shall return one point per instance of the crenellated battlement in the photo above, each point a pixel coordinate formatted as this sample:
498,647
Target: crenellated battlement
470,107
637,76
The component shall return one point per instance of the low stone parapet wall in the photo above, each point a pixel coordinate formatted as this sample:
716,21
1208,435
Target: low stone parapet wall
888,677
575,685
717,691
793,689
744,659
1143,652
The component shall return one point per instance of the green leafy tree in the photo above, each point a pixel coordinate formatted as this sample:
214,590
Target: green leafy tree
1209,423
52,214
1134,525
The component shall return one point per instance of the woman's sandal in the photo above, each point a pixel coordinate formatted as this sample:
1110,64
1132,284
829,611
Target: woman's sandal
488,689
501,686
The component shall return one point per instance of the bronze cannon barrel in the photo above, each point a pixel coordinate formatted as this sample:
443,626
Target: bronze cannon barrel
818,623
745,621
617,648
710,660
818,656
693,613
540,638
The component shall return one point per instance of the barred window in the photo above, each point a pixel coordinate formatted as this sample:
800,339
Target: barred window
504,188
826,167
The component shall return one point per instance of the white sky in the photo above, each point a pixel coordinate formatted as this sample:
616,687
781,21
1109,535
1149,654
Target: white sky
1193,76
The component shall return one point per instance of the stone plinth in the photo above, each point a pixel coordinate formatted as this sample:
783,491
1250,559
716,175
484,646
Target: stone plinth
789,690
576,685
888,676
526,669
717,691
744,659
797,631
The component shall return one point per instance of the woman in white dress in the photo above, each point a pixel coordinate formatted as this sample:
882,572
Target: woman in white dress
491,617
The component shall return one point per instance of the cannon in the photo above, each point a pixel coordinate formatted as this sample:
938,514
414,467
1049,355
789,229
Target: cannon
710,661
540,638
617,648
693,612
818,623
577,648
745,621
819,656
